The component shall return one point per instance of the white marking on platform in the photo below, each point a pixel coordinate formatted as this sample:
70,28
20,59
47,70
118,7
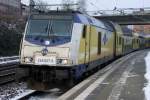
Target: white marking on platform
105,83
133,62
133,75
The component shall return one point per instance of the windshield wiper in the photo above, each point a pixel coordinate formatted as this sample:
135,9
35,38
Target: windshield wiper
51,31
52,34
47,27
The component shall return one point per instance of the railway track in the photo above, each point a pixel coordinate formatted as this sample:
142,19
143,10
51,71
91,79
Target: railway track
39,95
8,74
8,66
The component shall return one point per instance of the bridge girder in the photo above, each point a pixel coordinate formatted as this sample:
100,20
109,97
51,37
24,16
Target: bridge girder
128,19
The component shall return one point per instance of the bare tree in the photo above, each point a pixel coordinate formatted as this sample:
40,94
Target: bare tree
32,4
39,5
67,4
82,5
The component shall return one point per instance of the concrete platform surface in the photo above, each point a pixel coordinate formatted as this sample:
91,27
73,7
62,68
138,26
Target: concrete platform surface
121,80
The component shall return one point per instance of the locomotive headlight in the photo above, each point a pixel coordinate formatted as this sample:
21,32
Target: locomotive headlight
47,43
64,61
28,59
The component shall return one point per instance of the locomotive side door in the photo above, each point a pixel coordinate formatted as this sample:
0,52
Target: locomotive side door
87,30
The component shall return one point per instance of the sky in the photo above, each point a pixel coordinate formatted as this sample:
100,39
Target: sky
93,5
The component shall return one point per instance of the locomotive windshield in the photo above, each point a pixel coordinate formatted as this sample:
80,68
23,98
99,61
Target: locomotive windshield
61,28
38,27
44,27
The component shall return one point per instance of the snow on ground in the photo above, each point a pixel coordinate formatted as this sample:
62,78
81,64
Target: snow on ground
9,91
147,76
23,94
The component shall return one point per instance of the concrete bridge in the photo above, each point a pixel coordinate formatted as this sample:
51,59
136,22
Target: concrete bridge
125,16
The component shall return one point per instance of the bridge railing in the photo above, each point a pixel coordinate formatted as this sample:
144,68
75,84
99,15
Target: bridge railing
121,11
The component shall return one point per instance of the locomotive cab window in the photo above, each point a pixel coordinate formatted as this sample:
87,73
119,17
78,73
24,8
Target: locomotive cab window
84,31
117,39
120,40
99,43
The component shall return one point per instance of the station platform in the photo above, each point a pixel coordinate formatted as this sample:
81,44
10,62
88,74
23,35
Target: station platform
121,80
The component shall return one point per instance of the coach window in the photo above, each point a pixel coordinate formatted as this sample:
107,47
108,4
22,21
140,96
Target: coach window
99,42
116,39
120,40
84,31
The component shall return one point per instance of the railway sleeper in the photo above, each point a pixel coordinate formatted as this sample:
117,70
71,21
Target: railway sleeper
7,78
7,74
